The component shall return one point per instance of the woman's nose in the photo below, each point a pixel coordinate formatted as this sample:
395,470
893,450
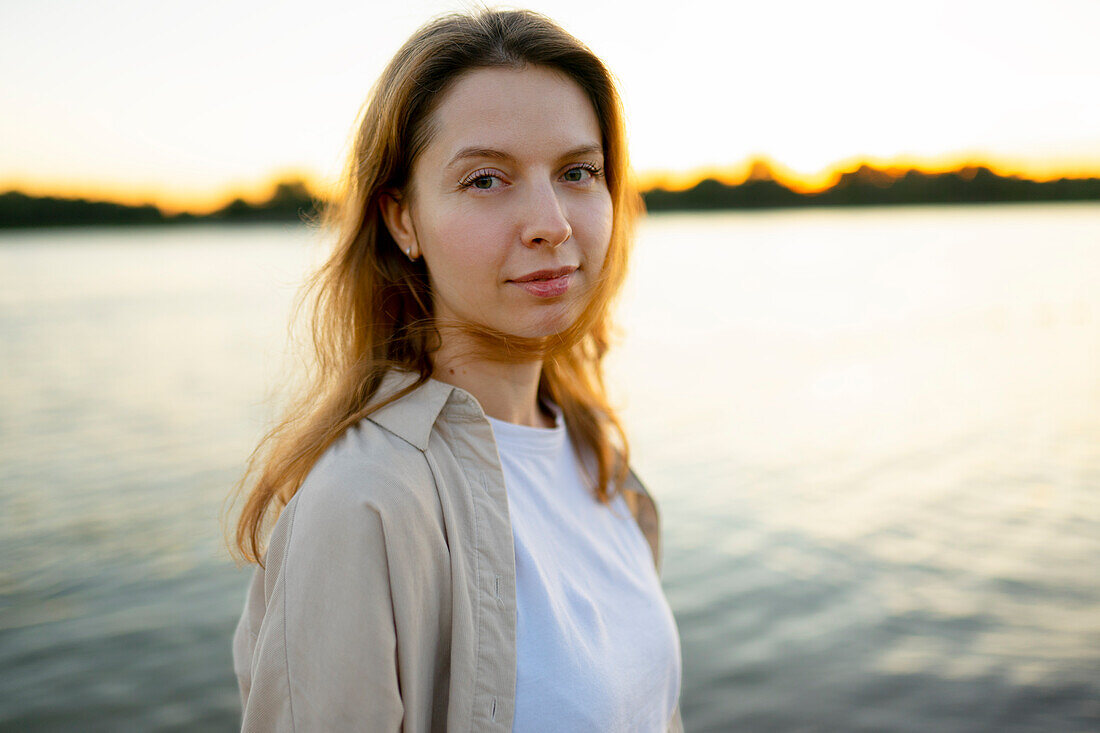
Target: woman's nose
545,222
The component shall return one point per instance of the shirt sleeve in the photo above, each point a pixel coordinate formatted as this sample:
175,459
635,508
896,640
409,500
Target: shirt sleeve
324,655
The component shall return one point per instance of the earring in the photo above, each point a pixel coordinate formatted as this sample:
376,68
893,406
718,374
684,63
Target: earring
408,253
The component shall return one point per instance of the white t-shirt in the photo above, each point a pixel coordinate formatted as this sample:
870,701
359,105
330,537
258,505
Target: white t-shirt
597,647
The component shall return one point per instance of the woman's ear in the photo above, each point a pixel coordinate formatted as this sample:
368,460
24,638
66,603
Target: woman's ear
398,219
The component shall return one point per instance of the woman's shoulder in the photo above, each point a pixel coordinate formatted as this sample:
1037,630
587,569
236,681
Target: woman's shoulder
369,490
368,468
646,513
380,464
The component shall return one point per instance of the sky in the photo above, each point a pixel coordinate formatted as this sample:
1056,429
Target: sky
185,104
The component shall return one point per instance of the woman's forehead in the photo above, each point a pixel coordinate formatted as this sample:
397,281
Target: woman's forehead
530,112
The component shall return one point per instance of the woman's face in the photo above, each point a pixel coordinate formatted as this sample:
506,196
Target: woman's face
509,206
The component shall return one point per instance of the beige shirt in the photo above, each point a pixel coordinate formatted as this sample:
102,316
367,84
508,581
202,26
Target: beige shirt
388,601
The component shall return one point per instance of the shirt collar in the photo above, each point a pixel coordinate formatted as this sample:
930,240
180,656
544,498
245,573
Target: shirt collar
412,416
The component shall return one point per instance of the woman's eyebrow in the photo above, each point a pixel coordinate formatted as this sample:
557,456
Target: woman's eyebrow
479,152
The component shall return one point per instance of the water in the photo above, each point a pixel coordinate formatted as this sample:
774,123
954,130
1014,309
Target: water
874,436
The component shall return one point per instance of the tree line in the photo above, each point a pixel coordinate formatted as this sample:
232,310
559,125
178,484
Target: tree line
292,201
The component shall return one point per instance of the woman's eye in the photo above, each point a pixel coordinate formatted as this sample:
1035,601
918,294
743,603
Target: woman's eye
481,180
583,173
579,174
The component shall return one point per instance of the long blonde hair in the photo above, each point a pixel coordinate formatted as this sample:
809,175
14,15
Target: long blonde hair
371,306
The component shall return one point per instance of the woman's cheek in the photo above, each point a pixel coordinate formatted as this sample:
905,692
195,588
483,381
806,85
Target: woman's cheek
597,226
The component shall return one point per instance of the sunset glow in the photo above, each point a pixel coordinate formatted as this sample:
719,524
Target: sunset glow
105,104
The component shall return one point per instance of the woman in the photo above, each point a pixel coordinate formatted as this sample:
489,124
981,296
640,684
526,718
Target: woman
458,542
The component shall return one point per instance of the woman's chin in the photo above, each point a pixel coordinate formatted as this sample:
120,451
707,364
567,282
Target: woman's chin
543,323
545,326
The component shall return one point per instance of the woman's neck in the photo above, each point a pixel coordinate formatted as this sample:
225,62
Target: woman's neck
507,392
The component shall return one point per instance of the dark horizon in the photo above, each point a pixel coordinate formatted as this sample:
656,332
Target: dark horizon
866,185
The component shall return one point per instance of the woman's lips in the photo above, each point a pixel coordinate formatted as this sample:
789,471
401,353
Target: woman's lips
549,288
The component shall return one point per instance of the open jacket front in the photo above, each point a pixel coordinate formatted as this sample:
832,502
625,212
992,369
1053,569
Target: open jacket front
389,596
